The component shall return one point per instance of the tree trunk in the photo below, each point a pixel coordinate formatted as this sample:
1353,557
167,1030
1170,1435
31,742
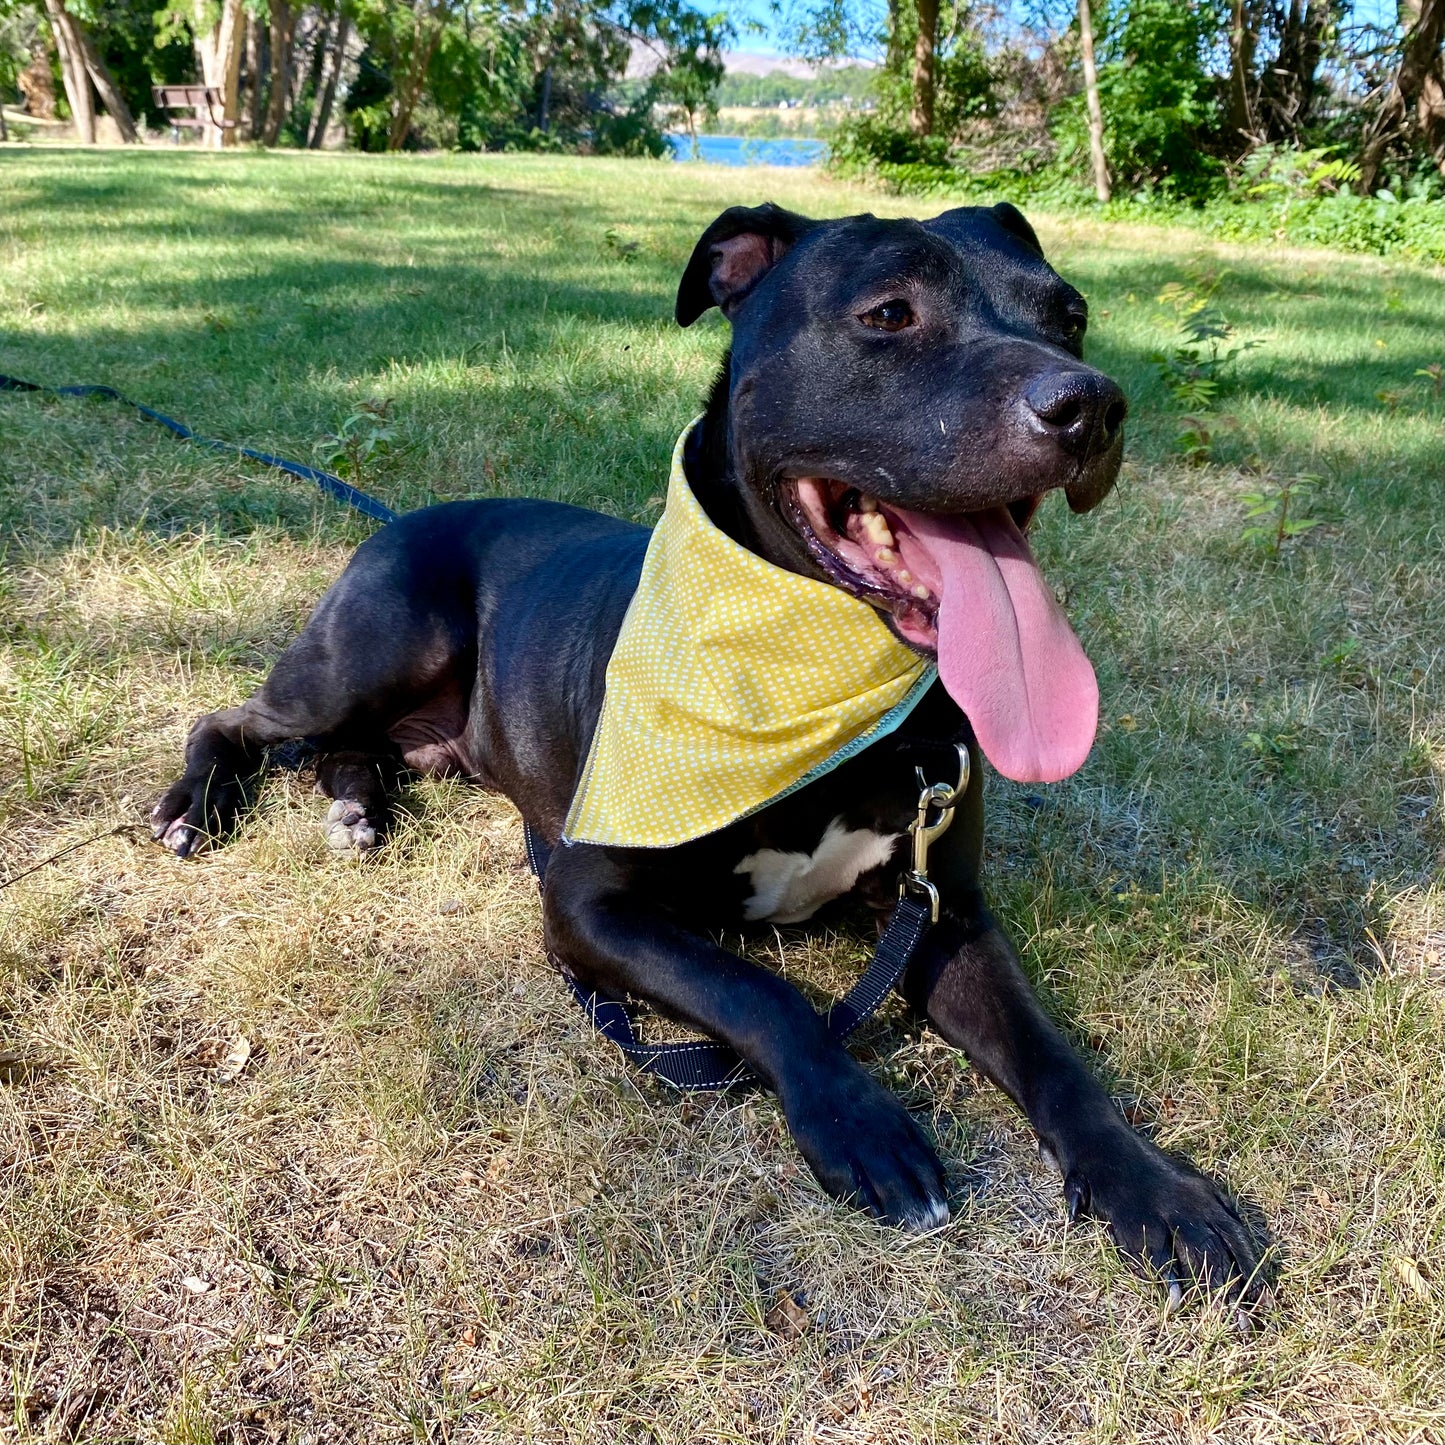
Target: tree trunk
1415,99
893,57
105,85
328,96
320,45
219,51
925,51
544,100
1091,95
72,70
1243,40
278,97
251,97
426,31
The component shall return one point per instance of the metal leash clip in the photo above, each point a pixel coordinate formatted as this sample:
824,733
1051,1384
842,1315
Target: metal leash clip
945,799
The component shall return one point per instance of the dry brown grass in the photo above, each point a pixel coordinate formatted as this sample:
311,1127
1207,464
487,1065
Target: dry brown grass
431,1205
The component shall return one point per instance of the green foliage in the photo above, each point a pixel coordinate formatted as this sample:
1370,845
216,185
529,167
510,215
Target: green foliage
1196,369
1274,754
1282,176
630,131
18,28
837,85
1158,98
625,250
1197,436
1293,199
477,79
1282,171
867,142
692,44
1276,512
125,34
549,79
364,438
368,103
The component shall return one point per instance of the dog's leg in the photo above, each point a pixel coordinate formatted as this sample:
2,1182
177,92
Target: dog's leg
360,783
1161,1211
224,753
300,699
857,1138
377,647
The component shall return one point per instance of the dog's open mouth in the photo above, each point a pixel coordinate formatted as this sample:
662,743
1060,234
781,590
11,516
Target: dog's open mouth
965,587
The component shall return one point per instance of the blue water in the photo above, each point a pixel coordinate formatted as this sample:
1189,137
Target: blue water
739,150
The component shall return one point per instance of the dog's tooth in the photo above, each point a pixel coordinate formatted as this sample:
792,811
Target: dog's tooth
886,555
867,504
875,524
921,592
905,576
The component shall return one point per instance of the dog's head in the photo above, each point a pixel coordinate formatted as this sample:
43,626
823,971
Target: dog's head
901,396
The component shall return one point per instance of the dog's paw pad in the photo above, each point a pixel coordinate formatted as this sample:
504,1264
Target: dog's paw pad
347,826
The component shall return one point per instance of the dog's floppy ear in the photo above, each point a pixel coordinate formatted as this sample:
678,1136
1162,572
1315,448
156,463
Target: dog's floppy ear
1012,220
733,255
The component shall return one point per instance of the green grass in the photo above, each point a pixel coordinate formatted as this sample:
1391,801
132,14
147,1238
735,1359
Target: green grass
432,1205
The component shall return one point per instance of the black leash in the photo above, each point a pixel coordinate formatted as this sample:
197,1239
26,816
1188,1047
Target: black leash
334,486
693,1066
714,1066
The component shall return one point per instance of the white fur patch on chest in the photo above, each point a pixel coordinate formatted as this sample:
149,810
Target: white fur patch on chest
789,887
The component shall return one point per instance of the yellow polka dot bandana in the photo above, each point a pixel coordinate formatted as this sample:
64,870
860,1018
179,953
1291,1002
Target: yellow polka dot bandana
732,683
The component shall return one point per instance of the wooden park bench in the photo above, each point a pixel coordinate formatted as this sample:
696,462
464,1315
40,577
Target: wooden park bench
196,99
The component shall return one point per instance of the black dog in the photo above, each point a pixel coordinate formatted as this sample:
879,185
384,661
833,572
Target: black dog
931,373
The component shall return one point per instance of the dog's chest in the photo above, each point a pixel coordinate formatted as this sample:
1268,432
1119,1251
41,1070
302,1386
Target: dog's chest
789,887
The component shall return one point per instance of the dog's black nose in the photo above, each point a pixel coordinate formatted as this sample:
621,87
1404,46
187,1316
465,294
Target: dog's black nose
1081,410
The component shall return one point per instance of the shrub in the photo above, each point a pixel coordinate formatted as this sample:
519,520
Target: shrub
1160,111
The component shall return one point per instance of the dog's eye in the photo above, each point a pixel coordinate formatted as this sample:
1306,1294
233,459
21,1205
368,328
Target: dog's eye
1075,324
890,316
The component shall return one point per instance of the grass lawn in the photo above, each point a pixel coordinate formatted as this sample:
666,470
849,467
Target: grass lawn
296,1148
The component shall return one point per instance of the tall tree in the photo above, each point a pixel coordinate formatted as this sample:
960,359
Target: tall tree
1290,85
1091,96
689,47
322,117
255,66
418,44
925,68
73,75
218,29
318,43
278,96
104,82
1413,106
1243,42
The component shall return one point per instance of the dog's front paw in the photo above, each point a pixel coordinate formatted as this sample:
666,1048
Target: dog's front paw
348,825
864,1149
195,811
1167,1216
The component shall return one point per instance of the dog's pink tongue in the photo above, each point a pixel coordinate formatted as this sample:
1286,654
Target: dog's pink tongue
1006,652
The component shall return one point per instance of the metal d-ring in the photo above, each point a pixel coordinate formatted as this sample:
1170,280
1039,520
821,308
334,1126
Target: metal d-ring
924,833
